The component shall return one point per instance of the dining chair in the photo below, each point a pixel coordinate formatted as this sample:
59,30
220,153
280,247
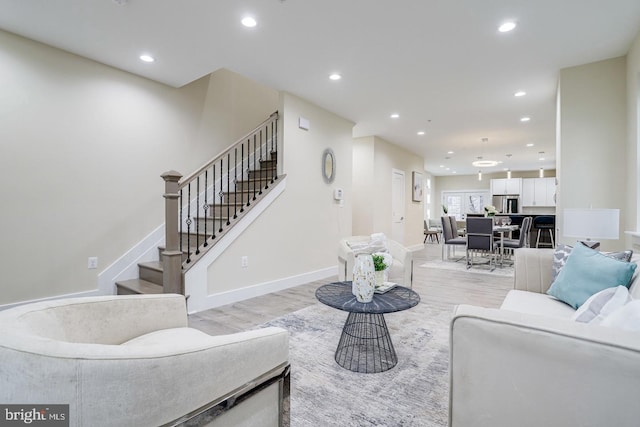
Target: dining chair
436,224
480,239
449,239
430,233
522,241
454,227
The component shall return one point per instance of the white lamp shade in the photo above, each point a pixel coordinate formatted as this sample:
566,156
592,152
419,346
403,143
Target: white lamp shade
592,223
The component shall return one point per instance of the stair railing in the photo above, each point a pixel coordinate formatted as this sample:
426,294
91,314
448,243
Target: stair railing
201,207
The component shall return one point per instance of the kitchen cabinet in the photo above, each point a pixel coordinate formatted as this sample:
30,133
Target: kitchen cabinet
503,186
538,192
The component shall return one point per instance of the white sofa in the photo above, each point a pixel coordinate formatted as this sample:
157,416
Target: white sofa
529,364
133,361
400,272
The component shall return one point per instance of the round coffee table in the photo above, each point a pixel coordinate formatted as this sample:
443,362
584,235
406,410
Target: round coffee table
365,344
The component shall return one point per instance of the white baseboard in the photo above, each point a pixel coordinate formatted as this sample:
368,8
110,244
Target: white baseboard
230,297
417,247
93,293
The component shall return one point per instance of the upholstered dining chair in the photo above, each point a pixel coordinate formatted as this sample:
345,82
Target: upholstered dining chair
480,239
521,242
449,238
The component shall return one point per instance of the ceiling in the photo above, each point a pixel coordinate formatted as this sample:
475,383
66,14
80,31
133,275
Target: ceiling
443,66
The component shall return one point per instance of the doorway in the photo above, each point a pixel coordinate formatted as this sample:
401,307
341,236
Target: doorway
397,205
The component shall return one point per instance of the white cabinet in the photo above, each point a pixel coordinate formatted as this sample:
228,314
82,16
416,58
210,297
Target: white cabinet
538,192
504,186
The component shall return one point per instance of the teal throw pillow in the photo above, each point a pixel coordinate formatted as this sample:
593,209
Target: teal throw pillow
586,273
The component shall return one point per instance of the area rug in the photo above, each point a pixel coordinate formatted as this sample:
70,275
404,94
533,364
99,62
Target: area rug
506,270
413,393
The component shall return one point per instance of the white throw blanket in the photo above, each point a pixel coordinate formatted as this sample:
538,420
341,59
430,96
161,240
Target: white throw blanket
376,246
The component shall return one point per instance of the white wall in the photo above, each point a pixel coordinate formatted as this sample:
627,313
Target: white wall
633,138
363,189
82,148
374,160
300,231
593,141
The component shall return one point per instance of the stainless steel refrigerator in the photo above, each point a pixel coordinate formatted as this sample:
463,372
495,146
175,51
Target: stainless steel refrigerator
507,203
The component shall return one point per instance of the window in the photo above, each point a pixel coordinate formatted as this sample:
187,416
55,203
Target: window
461,203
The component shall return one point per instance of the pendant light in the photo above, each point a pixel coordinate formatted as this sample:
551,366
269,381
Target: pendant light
509,169
541,172
479,175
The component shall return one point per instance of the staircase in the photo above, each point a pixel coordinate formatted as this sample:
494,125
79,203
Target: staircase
209,203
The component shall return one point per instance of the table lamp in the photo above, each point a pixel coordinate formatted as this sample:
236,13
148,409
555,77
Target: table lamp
591,223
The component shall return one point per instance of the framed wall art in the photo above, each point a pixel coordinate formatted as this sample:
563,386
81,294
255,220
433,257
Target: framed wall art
417,186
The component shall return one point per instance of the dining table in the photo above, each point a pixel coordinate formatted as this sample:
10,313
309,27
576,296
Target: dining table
503,229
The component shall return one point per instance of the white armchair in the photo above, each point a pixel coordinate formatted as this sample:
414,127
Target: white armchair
401,270
131,360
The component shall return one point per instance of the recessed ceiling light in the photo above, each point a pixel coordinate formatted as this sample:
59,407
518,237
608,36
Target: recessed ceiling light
395,115
520,93
335,76
449,152
147,58
507,26
441,166
447,169
525,119
530,144
249,22
454,172
541,158
421,132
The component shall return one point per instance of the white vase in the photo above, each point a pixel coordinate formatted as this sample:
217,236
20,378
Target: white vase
364,279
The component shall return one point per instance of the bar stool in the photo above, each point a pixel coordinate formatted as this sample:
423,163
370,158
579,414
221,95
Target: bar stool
543,223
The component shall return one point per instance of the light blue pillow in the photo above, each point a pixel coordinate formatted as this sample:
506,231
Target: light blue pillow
586,273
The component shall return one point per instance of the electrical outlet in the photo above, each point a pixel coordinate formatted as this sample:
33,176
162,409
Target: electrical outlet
92,262
244,261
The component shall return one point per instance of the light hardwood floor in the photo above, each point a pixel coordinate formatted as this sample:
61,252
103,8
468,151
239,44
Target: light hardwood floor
436,286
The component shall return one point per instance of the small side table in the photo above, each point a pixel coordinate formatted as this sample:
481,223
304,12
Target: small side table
365,344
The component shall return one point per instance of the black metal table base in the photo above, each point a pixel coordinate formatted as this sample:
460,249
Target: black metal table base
365,345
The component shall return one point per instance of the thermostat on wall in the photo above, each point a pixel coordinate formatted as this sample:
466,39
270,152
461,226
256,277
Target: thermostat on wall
303,123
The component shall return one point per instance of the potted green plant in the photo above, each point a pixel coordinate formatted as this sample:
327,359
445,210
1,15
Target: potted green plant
379,266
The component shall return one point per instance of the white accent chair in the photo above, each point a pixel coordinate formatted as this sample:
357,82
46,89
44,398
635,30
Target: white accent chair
401,270
132,360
